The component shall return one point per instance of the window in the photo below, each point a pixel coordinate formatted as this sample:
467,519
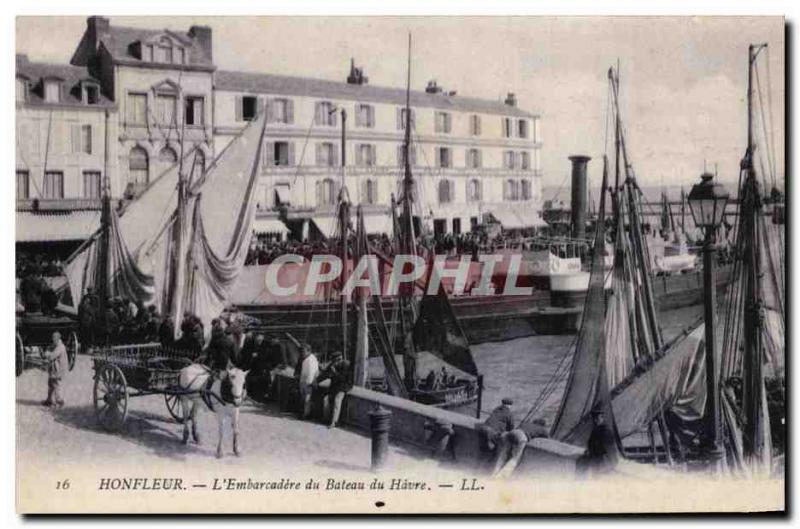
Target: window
137,109
508,159
473,159
91,184
445,191
525,160
194,113
168,156
401,118
147,53
281,111
52,91
91,94
165,109
365,116
53,184
138,165
444,158
510,190
473,190
22,90
443,122
370,192
23,185
412,155
506,127
365,155
327,155
522,128
475,125
166,52
526,190
180,55
246,108
281,153
325,114
326,192
86,139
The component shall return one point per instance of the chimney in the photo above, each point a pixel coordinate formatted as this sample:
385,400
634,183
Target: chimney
433,87
511,99
356,74
98,28
579,196
202,34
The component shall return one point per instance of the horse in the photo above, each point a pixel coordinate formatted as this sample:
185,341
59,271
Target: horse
222,395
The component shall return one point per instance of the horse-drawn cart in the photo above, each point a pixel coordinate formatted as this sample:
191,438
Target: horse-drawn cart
122,372
34,334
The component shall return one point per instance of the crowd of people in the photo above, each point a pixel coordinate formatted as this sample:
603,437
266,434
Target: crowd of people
34,291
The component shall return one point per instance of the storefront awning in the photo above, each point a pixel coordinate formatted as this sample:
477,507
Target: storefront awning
378,224
262,226
56,226
515,218
325,225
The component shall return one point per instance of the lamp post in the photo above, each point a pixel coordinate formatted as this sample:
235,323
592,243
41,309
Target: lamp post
707,201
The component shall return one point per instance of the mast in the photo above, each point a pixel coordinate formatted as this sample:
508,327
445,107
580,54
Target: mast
344,217
361,352
752,394
408,239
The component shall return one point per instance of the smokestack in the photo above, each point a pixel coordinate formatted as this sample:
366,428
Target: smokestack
578,204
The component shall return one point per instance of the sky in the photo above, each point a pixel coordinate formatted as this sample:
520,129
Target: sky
682,88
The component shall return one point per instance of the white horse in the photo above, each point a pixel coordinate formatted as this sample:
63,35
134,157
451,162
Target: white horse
224,397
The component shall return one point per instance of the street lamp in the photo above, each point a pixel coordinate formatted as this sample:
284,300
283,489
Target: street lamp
707,201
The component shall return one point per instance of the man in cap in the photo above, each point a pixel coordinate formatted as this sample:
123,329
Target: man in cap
58,367
220,348
500,422
306,372
510,447
341,377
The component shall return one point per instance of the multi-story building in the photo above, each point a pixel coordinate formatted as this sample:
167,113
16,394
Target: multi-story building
471,157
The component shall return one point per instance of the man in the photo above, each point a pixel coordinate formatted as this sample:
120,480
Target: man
237,337
341,377
220,351
59,365
86,318
166,332
499,423
255,358
511,447
306,372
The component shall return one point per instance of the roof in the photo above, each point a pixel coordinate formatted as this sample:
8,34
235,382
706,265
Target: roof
120,39
56,226
71,75
304,86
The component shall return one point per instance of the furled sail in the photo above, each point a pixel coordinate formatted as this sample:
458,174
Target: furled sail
587,386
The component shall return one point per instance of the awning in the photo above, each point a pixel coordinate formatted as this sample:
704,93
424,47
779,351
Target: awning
261,226
514,218
325,225
282,194
56,226
378,224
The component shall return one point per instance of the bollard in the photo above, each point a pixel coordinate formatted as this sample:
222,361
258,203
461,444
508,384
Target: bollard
380,422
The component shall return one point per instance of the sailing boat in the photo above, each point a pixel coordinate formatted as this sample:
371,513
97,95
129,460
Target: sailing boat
181,244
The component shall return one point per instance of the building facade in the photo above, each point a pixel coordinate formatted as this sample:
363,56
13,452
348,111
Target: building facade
472,159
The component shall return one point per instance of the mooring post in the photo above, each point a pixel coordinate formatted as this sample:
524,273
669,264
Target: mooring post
380,420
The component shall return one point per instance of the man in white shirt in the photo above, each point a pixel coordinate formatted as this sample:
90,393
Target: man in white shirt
59,365
306,373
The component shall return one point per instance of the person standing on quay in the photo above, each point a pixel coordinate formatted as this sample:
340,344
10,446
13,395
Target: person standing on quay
306,372
59,365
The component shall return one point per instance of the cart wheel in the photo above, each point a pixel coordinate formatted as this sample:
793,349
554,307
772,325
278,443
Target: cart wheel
20,355
73,346
175,406
110,397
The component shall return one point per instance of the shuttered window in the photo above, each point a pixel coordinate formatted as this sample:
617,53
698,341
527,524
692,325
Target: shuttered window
53,184
137,109
23,185
444,157
280,110
522,128
475,125
474,190
91,184
525,160
324,114
246,108
446,188
365,116
194,112
443,122
327,154
474,159
412,155
401,119
365,155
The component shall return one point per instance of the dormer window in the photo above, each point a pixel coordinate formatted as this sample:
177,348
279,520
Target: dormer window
91,93
164,51
52,90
